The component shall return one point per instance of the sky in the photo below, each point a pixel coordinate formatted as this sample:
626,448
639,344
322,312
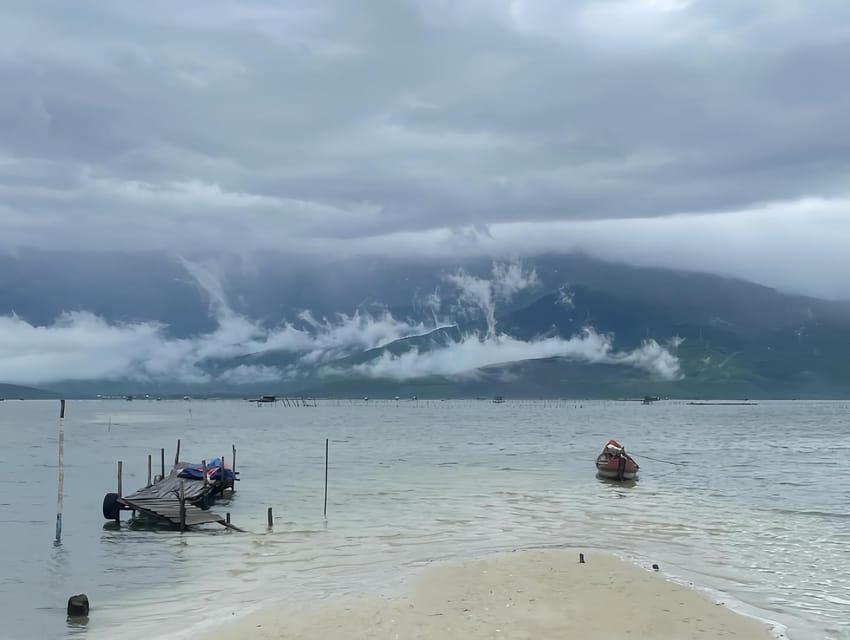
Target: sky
708,135
702,134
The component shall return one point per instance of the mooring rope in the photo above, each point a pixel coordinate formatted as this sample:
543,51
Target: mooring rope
640,455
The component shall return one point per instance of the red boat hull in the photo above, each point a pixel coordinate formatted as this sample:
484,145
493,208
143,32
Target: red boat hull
617,469
615,464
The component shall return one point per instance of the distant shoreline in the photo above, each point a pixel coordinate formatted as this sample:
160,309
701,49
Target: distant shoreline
722,403
320,399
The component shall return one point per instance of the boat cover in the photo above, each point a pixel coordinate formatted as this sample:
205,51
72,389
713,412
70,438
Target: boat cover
613,447
196,471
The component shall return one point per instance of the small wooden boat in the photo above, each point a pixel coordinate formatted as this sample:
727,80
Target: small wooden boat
615,464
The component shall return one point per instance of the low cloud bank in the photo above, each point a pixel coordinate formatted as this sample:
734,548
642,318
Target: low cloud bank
82,346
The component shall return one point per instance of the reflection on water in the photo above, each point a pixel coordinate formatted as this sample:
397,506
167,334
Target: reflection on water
412,484
77,626
618,484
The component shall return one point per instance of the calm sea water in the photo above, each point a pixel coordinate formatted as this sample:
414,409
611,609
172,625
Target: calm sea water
757,513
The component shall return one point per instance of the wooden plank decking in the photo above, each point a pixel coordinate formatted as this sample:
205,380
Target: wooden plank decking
169,487
170,510
162,499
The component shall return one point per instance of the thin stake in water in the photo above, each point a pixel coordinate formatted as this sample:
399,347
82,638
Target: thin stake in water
61,472
325,510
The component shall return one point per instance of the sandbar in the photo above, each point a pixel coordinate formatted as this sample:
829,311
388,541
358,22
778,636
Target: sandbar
524,595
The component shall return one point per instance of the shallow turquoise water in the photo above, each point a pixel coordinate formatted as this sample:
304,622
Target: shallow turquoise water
756,513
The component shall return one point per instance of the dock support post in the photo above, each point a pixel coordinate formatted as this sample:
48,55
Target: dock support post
149,470
120,490
325,509
271,519
227,517
206,480
233,468
182,499
162,461
177,453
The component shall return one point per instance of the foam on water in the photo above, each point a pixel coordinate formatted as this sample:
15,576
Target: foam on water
755,514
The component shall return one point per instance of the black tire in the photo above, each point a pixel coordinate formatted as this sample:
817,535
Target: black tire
111,507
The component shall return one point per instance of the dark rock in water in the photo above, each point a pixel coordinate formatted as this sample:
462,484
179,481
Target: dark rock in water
655,567
78,606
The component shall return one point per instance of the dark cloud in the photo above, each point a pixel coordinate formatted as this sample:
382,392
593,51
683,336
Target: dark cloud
303,125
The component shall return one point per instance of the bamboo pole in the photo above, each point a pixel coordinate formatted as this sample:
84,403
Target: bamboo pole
60,490
177,454
270,518
120,468
149,470
206,480
233,468
162,461
325,509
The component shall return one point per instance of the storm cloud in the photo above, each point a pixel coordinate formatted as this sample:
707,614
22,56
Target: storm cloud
700,134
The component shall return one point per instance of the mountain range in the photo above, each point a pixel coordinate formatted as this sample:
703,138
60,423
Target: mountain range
550,326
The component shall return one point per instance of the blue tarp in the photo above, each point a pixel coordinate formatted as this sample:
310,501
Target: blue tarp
196,471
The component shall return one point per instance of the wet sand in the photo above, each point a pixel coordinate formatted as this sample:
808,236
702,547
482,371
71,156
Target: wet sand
526,595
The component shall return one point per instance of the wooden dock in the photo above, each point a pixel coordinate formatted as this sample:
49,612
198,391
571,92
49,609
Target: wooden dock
162,500
179,501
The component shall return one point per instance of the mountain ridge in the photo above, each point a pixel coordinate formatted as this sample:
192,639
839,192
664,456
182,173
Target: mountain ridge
728,337
20,392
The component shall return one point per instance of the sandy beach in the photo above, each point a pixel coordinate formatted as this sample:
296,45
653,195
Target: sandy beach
537,595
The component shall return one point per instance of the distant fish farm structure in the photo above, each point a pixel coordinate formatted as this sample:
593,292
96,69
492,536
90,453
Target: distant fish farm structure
285,401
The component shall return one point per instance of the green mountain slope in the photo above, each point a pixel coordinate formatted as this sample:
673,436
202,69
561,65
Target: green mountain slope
17,392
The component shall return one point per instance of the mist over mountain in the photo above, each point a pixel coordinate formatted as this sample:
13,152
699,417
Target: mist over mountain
39,286
553,325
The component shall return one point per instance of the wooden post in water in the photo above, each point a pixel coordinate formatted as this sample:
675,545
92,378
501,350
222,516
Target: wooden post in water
271,518
162,461
182,498
222,476
177,453
325,509
149,470
120,468
204,464
233,468
60,490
